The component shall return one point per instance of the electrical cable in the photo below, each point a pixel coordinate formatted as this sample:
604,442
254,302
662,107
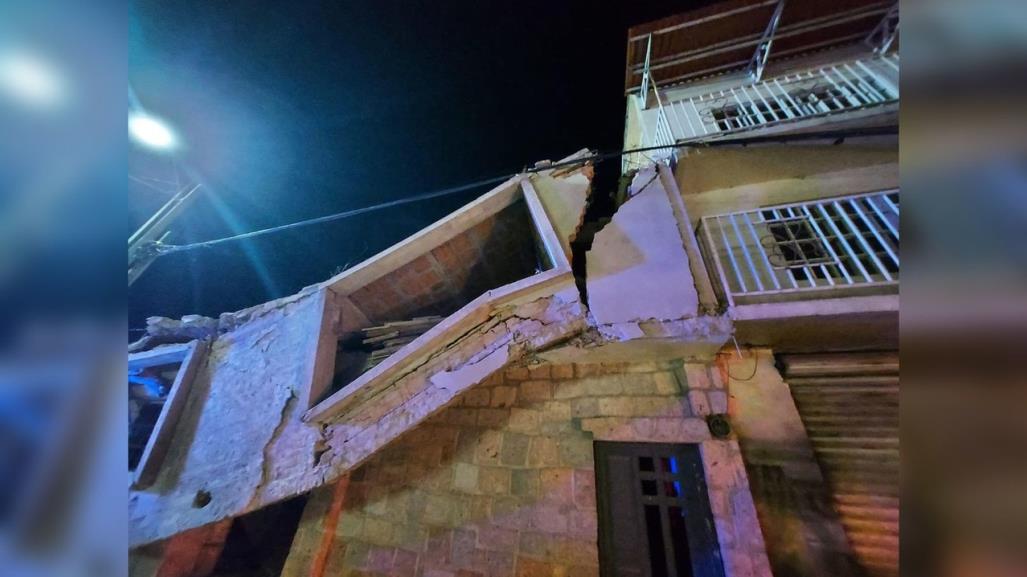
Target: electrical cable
163,249
755,367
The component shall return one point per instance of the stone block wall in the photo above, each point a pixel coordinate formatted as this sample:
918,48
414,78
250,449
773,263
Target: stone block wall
503,482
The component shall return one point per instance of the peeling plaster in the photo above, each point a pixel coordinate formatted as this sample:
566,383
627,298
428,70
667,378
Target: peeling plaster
265,472
637,268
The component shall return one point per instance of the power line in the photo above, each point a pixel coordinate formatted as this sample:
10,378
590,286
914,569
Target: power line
162,249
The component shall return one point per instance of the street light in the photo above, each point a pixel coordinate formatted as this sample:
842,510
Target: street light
151,132
143,246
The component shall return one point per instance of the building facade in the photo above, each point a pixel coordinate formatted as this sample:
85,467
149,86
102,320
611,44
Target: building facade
711,389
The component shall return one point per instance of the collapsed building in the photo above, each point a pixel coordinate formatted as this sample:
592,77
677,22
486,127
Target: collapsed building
702,382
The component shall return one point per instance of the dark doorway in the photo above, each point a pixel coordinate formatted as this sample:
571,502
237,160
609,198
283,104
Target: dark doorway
259,542
654,513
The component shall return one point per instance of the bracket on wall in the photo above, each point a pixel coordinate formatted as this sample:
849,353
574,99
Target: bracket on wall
883,35
759,58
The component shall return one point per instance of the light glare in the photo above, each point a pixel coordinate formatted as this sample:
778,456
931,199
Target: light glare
150,132
30,81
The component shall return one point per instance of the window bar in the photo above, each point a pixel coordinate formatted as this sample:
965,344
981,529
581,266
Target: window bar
843,91
747,217
795,284
745,251
866,86
845,243
877,233
764,100
739,120
817,105
856,92
661,127
889,62
731,255
676,123
870,200
795,105
811,103
827,243
859,87
691,127
743,113
752,104
782,105
862,240
699,116
729,121
894,208
892,93
831,94
812,278
712,246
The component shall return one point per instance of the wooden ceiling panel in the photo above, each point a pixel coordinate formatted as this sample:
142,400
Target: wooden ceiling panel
722,37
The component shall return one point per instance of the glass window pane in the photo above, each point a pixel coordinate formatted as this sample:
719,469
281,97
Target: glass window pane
668,465
682,556
654,529
672,488
648,487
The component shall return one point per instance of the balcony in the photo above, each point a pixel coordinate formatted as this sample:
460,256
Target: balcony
813,96
837,247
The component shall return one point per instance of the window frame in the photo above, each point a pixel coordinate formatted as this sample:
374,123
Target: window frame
795,243
189,356
693,498
339,314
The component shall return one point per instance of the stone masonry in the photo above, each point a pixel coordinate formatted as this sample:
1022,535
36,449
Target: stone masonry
502,483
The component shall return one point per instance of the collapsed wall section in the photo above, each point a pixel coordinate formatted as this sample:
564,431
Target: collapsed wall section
242,442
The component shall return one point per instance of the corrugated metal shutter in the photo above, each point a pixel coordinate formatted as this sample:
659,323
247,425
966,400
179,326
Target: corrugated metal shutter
849,403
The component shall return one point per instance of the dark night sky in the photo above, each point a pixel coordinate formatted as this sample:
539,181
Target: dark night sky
291,110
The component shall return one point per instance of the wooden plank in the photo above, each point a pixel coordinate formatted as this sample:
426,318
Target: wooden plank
381,338
163,431
164,355
550,241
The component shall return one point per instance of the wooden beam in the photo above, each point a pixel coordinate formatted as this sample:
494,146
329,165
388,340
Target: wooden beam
163,431
554,248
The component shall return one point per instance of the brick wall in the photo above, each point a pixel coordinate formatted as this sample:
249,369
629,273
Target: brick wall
503,482
495,252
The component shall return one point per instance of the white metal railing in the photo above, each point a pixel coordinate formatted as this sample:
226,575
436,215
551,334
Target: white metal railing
837,244
823,91
662,134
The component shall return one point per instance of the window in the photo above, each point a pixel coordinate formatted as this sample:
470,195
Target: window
821,241
380,307
362,350
742,111
158,384
793,243
654,513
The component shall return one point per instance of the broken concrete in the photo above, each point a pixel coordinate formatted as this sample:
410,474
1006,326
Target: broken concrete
638,268
243,442
246,458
